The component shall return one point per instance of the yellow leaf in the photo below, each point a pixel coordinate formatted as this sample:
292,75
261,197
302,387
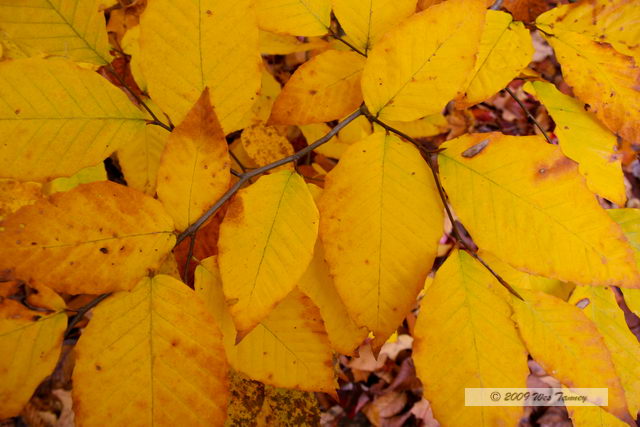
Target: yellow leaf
365,22
431,125
345,336
505,50
70,28
517,196
381,219
325,88
295,17
282,44
601,308
603,78
463,313
151,356
355,131
194,167
358,129
266,242
186,47
30,342
95,238
519,279
424,62
16,194
568,346
289,348
261,109
131,45
264,145
332,148
593,416
57,118
83,176
614,22
140,160
585,140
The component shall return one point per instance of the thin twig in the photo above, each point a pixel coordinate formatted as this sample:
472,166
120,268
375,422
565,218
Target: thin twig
236,173
156,121
346,43
428,154
237,160
524,108
255,172
83,310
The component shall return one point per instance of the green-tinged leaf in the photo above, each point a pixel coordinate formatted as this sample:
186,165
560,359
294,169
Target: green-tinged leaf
57,118
599,304
74,29
629,220
517,196
83,176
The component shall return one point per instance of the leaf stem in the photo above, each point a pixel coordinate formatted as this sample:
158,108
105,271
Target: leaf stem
139,100
346,43
428,154
83,310
524,108
193,228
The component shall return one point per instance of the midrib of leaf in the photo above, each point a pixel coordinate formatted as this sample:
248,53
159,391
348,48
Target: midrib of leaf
265,247
489,54
126,236
536,207
367,42
407,81
285,346
30,325
305,5
380,222
73,28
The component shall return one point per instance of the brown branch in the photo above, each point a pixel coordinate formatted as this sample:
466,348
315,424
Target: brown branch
428,154
245,177
156,121
83,310
524,108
